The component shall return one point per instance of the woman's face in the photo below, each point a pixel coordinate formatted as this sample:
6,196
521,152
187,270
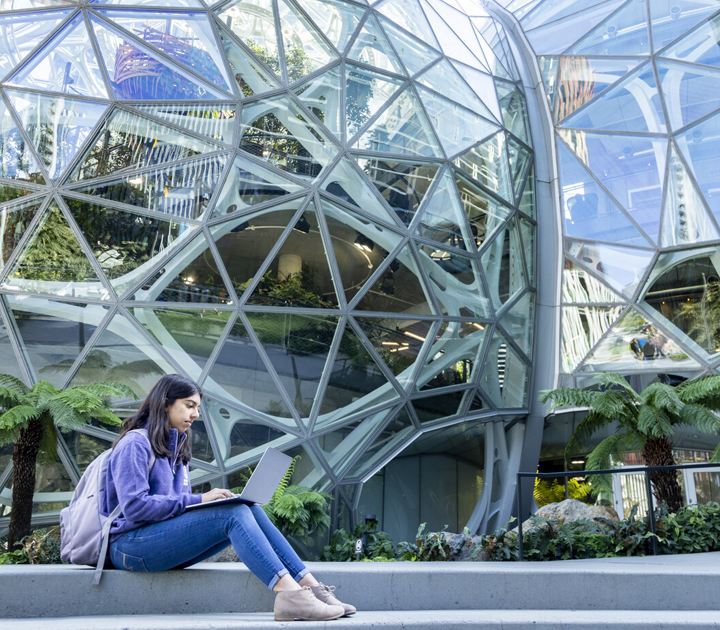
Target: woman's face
183,412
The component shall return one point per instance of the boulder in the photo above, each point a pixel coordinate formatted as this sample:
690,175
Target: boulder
568,511
467,547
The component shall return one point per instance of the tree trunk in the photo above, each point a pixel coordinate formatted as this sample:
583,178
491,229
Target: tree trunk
24,459
658,452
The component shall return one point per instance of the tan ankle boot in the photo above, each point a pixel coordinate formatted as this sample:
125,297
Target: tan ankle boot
303,605
325,594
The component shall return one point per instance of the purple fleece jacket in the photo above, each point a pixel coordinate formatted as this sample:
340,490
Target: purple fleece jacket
146,499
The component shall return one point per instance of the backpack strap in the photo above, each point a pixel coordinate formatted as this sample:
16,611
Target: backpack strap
112,516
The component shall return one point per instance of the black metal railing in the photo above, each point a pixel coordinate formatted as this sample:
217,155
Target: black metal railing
646,470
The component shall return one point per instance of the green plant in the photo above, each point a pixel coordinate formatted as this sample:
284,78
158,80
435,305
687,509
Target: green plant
342,544
646,422
40,547
431,546
502,545
547,491
692,529
31,418
298,511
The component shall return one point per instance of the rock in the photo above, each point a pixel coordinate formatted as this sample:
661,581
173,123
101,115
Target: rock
568,511
226,555
467,548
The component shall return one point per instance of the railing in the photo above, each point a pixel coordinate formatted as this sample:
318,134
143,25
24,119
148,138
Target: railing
646,470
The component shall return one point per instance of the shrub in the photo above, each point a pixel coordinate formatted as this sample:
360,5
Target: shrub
40,547
378,545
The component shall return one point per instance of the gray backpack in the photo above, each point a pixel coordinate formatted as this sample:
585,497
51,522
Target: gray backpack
84,530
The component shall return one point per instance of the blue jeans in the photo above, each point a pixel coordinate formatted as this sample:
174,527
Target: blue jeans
199,534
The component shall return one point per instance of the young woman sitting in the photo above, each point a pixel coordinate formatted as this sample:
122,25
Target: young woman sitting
155,533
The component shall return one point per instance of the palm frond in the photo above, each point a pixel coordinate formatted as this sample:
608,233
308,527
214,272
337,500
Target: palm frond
566,397
654,422
65,416
9,397
612,447
106,389
591,423
705,391
19,416
6,380
716,455
613,404
41,392
700,417
612,379
663,397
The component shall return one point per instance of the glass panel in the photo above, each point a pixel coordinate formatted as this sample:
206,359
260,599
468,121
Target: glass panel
10,365
549,70
672,18
10,192
240,437
214,121
452,44
20,33
527,201
699,46
685,219
84,448
276,131
442,219
185,37
519,158
297,347
365,93
445,79
582,327
197,281
456,282
483,85
691,92
457,130
581,79
625,32
409,15
488,163
686,295
129,142
127,245
485,213
402,184
401,128
340,446
250,184
57,127
356,382
454,357
557,9
188,335
398,342
700,146
124,356
181,191
14,219
136,72
239,374
305,49
393,435
632,105
53,262
323,97
589,212
251,77
299,275
66,64
336,18
347,184
359,245
581,286
253,23
519,323
528,235
635,344
621,267
398,289
18,160
514,110
413,52
632,168
505,376
372,48
54,333
436,407
503,265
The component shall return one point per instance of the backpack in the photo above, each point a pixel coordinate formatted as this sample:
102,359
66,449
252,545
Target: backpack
84,529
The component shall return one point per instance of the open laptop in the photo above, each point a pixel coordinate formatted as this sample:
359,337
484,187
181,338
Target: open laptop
262,483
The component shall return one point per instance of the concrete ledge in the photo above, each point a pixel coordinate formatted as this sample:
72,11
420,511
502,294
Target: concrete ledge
663,583
416,620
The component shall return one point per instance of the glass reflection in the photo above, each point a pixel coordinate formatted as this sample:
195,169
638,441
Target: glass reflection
413,52
371,47
17,159
214,121
503,265
434,408
582,327
484,212
365,93
323,97
505,375
581,286
488,164
518,322
14,220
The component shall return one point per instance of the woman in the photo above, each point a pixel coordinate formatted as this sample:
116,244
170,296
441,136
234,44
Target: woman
153,531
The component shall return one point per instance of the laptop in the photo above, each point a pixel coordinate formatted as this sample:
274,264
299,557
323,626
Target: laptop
262,483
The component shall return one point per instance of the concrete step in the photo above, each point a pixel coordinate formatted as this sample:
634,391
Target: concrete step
665,583
407,619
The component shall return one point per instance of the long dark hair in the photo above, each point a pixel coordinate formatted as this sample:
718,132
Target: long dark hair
153,415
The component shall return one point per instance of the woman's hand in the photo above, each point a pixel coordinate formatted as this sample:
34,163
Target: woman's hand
215,494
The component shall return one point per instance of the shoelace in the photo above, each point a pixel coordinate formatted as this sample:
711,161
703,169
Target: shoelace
325,587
